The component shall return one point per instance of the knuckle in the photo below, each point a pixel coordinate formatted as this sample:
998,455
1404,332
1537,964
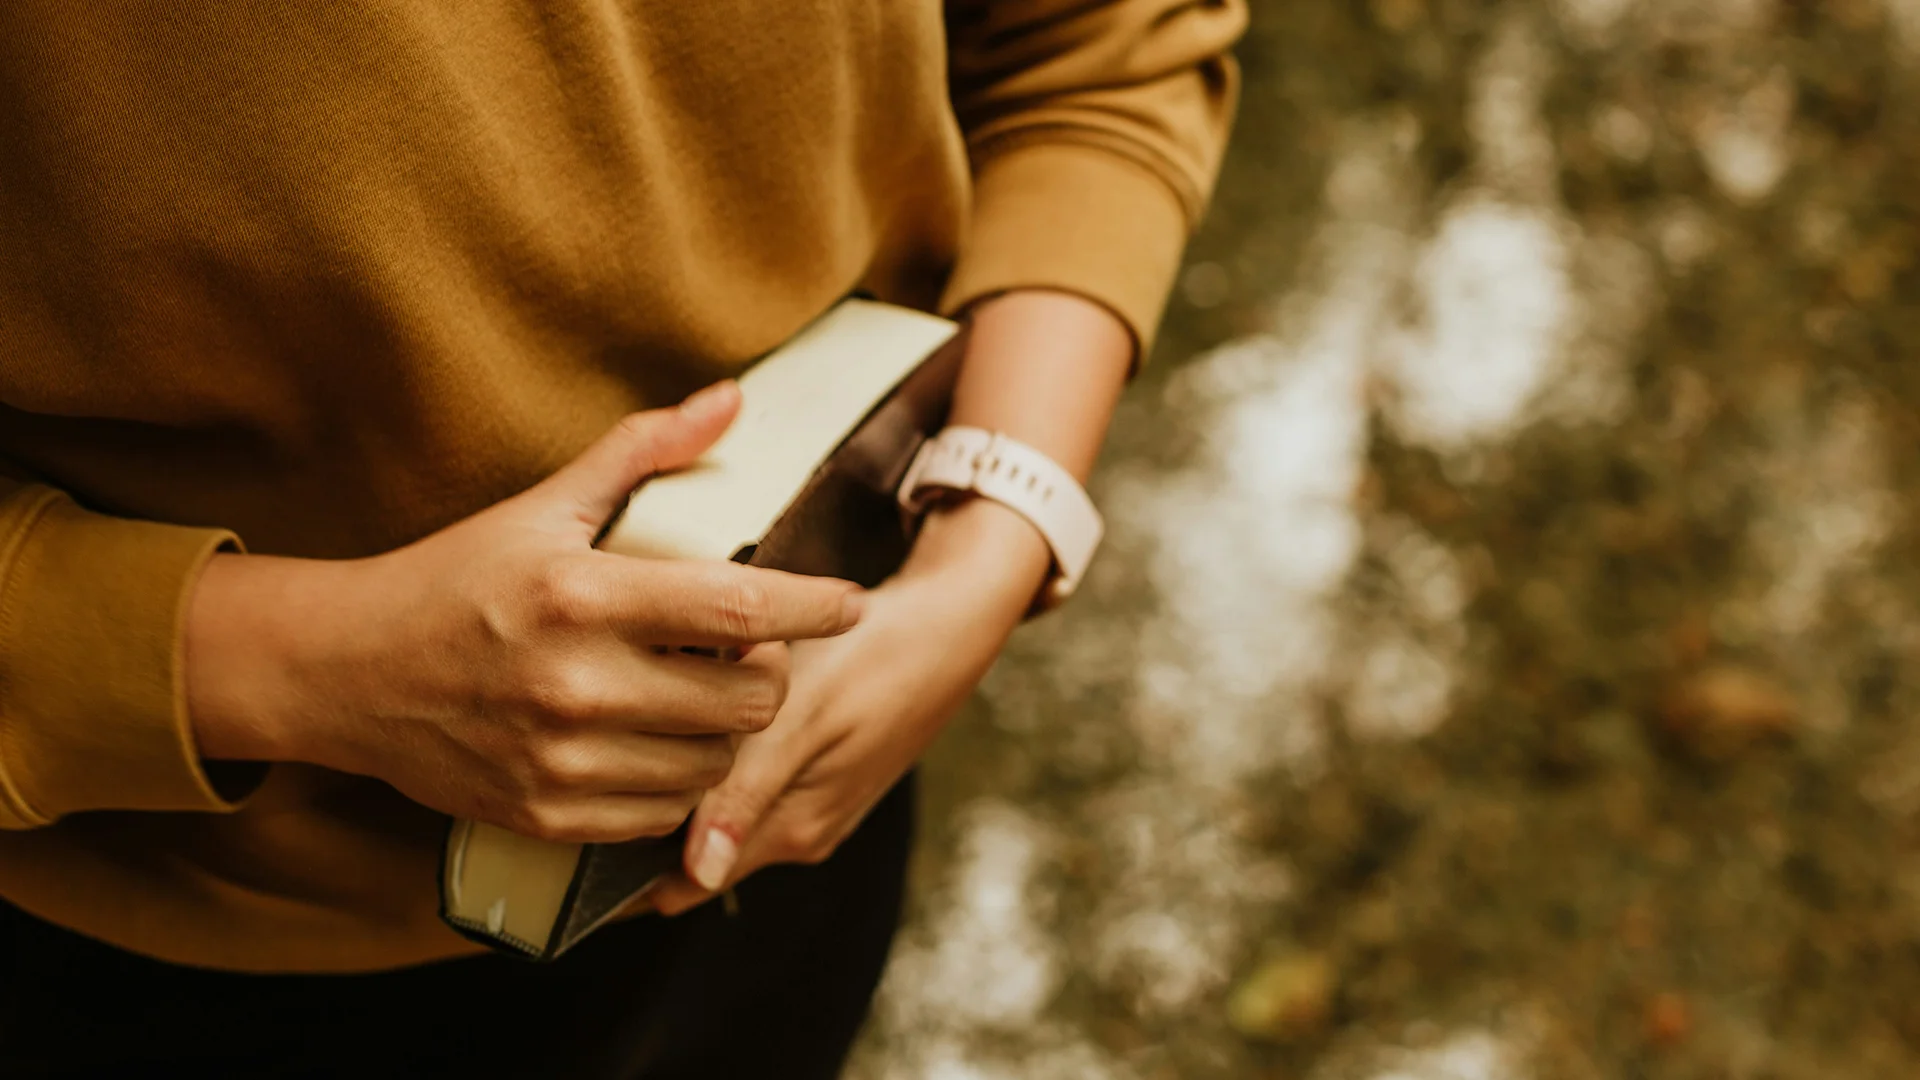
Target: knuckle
711,775
713,769
562,593
565,692
664,819
686,804
759,704
808,842
745,609
561,767
544,821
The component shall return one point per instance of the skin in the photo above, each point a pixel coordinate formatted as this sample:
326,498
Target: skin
1046,368
501,669
504,670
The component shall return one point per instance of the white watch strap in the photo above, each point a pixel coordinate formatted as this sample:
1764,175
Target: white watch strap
1014,474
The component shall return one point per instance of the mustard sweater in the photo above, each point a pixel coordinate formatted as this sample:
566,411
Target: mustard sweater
321,278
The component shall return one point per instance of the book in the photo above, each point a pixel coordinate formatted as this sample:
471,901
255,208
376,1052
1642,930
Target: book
803,481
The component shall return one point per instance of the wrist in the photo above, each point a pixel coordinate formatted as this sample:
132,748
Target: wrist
243,640
986,547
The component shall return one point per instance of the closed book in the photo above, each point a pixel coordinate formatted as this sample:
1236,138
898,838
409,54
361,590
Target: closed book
803,481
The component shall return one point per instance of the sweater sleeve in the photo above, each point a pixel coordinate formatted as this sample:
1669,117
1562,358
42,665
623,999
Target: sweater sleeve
92,698
1095,130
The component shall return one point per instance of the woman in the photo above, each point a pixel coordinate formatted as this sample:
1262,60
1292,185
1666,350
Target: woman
308,313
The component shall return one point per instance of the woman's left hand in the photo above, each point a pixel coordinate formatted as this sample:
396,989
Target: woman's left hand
864,706
1046,368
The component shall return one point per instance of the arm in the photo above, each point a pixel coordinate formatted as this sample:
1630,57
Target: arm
500,669
503,668
1046,368
1095,130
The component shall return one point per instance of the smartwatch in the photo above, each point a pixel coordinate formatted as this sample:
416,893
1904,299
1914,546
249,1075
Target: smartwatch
995,466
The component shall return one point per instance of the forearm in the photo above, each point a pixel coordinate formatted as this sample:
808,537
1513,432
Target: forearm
1043,367
1046,368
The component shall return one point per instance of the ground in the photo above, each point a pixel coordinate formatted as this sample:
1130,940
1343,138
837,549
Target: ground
1497,666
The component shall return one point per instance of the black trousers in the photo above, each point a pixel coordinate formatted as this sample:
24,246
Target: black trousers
777,990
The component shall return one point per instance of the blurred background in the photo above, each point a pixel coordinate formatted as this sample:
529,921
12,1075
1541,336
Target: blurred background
1498,667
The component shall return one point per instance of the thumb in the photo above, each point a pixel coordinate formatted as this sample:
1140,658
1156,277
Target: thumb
595,485
729,814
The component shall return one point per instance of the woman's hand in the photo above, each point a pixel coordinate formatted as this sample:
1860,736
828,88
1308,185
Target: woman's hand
502,669
1044,367
866,704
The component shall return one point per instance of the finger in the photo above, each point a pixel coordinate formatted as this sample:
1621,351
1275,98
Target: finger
709,603
595,485
634,763
679,892
609,819
676,894
730,814
619,687
772,841
696,695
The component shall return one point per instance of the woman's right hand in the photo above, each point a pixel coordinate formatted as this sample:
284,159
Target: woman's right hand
502,668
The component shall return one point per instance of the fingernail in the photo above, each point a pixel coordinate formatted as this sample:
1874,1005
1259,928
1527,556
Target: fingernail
852,606
716,860
709,399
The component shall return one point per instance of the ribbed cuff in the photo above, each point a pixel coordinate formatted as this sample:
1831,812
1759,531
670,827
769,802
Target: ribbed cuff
1077,217
93,709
